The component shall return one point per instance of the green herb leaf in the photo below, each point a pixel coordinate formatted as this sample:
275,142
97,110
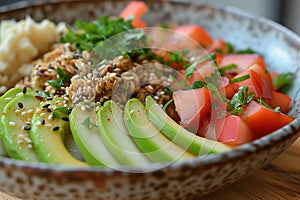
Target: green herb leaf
88,124
284,81
239,100
55,83
226,67
190,70
87,36
245,51
239,79
262,101
61,112
198,84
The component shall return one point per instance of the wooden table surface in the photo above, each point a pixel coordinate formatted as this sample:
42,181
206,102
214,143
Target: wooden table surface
280,180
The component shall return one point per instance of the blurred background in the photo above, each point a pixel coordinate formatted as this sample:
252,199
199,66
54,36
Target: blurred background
285,12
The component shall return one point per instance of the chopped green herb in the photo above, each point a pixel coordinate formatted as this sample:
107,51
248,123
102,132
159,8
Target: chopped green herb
239,100
262,101
60,112
86,36
226,67
88,124
63,78
245,51
239,79
190,70
229,48
198,84
283,81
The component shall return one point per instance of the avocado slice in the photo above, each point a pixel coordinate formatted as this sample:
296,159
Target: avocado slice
148,138
116,137
48,133
182,137
15,125
85,129
4,99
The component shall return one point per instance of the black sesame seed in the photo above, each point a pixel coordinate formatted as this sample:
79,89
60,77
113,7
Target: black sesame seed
42,121
55,128
49,98
26,128
20,105
24,90
46,106
48,110
65,118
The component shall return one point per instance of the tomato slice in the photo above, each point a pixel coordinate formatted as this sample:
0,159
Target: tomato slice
233,130
243,61
196,33
281,100
135,9
263,120
191,105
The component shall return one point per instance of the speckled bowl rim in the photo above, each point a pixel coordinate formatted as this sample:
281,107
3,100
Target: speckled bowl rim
290,130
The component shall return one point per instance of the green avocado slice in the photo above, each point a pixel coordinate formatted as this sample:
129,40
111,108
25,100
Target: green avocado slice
4,100
116,137
15,125
87,135
48,135
148,138
182,137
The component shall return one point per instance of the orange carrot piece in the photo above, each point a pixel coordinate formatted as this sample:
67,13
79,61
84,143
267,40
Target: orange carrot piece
196,33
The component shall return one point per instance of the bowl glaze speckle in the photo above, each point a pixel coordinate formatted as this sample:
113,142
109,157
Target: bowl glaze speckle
181,180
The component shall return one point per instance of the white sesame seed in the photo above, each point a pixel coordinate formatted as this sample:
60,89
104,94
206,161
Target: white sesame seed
17,110
48,125
50,117
43,114
8,99
23,113
83,108
30,111
131,111
12,123
19,94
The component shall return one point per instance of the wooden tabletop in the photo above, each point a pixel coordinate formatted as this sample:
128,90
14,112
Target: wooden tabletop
280,180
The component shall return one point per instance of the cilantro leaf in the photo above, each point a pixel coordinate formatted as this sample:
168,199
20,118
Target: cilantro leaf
240,100
60,112
283,81
88,124
88,35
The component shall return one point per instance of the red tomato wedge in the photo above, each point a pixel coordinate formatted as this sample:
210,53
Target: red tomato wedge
243,61
135,9
263,73
263,120
256,83
191,105
233,130
196,33
219,46
281,100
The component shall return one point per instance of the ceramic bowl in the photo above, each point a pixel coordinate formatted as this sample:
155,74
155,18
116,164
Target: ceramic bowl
181,180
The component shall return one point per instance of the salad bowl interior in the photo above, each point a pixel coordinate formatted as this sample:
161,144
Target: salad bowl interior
183,179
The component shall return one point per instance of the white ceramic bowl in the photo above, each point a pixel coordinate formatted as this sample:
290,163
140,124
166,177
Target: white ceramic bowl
182,180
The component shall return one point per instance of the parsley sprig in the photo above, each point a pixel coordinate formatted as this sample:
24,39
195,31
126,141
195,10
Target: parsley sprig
283,81
240,100
62,78
88,35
